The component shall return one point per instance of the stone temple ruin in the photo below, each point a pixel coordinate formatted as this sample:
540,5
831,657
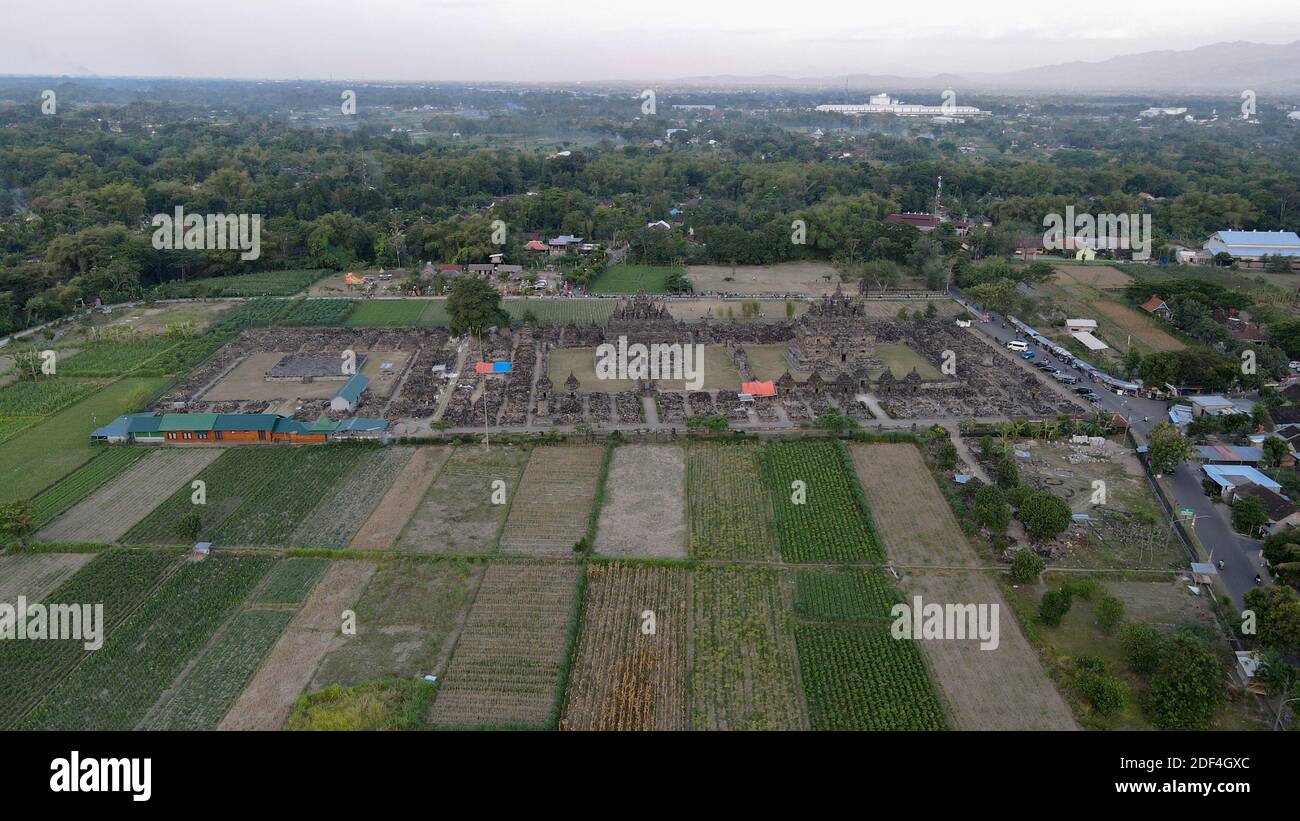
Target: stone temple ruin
833,338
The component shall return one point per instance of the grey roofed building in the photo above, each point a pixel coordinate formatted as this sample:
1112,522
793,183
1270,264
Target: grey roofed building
1254,244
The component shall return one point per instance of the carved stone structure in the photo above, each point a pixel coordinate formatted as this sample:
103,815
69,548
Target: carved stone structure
833,338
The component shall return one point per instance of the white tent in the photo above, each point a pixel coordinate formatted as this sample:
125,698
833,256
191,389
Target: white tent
1089,341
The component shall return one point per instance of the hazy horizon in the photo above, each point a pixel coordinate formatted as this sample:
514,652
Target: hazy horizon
590,41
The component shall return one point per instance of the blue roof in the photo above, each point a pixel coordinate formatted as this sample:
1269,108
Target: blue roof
352,388
143,423
118,427
284,424
1233,475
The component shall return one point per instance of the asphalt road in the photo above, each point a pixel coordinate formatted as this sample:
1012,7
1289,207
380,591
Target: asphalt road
1240,555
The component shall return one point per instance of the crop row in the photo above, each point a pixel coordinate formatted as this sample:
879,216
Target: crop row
114,687
290,581
114,358
264,283
117,579
730,513
818,517
319,312
42,397
844,594
85,480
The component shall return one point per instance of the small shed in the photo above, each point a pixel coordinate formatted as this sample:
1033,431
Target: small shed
349,395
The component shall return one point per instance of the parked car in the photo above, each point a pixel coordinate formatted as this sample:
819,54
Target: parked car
1066,378
1027,355
1018,346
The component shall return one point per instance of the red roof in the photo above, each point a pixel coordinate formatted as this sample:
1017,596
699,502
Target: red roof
535,246
758,388
1153,304
448,267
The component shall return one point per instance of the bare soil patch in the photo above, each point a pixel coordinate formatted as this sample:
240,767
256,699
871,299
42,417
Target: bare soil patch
644,512
342,513
1129,321
247,382
783,278
114,509
36,575
389,517
457,515
269,698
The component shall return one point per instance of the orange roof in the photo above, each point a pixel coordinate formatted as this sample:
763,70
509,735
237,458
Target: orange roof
352,279
1153,303
536,245
758,388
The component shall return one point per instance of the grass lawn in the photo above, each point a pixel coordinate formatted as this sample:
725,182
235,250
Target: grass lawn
900,360
628,279
41,455
386,312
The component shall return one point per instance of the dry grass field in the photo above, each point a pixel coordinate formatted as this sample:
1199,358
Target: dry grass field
625,678
35,575
715,310
385,524
920,533
644,511
115,508
552,506
783,278
1128,321
247,382
1092,276
269,698
456,515
506,665
719,373
340,514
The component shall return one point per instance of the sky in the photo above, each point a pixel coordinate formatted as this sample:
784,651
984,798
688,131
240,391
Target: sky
604,40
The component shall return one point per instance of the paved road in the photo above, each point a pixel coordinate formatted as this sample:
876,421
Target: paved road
1240,555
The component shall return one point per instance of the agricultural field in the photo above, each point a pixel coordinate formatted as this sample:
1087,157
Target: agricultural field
561,311
1092,276
341,512
265,704
271,516
11,426
390,516
809,277
505,669
119,579
91,476
623,677
381,312
114,687
629,279
843,594
204,695
43,397
115,508
408,617
743,670
858,677
552,506
34,575
319,312
114,358
265,283
719,372
46,452
644,510
158,319
239,474
289,581
919,532
457,515
379,704
730,510
824,523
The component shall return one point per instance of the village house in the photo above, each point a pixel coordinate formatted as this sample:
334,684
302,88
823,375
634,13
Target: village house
225,428
1281,511
1157,307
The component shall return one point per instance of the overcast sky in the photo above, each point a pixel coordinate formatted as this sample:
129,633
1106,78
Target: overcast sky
594,40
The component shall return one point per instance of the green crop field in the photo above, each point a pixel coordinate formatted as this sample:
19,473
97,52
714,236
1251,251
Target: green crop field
284,501
88,478
386,312
266,283
561,311
113,358
42,397
319,312
118,579
844,594
858,677
290,581
825,523
222,672
41,455
628,279
730,512
239,474
11,426
114,687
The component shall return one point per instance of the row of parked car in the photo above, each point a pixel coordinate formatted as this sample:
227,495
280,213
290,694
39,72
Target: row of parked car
1021,347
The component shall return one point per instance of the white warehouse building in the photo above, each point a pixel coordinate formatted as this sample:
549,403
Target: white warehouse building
884,104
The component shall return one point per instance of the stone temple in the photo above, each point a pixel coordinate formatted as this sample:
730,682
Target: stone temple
833,338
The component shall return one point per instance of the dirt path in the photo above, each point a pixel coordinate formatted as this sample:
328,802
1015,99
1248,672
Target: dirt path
1004,688
269,698
384,526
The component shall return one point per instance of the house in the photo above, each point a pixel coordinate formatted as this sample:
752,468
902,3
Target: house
1029,246
1229,455
559,246
451,270
349,395
139,428
659,225
1158,307
1251,247
921,222
1285,415
1281,511
360,428
1211,404
536,246
1088,325
1228,477
226,428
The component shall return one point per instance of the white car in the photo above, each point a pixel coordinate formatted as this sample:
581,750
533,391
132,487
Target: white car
1295,366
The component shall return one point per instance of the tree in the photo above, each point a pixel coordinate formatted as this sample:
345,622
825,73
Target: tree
947,455
189,526
1275,448
1110,613
1277,617
1045,516
473,307
1008,474
1248,515
1186,688
1104,692
15,519
1025,566
991,509
1166,447
1053,606
1140,645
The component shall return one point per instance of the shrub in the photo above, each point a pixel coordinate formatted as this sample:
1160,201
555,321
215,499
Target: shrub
1081,587
1026,565
991,509
1186,688
947,455
1045,516
1105,693
1140,645
1110,613
1008,474
1053,607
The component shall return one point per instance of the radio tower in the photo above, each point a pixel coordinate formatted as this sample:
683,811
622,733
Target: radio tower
938,200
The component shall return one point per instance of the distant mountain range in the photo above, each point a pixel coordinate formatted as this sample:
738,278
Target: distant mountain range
1214,69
